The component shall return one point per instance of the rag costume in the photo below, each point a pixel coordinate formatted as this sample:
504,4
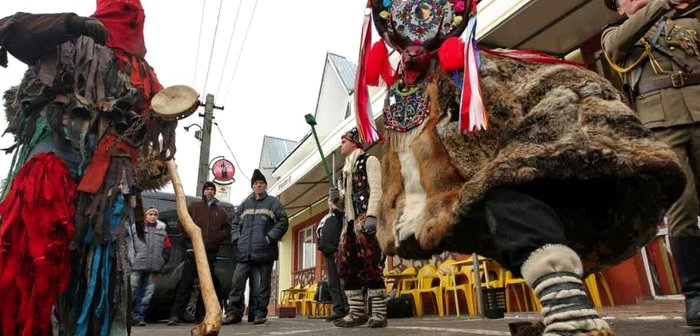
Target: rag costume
359,258
527,159
85,143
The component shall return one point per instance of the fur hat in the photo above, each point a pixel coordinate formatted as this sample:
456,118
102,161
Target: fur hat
257,176
152,209
353,136
611,4
208,184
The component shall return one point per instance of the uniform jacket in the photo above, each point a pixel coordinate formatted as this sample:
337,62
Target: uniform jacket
663,107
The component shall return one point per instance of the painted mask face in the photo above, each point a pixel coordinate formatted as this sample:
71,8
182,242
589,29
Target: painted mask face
420,22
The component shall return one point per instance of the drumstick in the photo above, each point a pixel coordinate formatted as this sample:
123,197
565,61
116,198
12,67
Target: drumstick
211,324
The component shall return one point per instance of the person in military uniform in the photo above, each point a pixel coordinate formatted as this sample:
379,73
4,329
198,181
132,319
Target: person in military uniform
659,60
359,258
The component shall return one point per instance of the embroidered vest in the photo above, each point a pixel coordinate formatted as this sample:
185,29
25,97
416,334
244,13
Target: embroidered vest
360,186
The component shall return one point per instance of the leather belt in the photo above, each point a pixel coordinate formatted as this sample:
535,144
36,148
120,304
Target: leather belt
675,80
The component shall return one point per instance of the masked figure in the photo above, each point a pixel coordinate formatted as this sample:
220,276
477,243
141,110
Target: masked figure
86,141
530,160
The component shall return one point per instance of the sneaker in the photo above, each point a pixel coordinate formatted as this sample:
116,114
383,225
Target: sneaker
140,323
173,321
259,320
231,319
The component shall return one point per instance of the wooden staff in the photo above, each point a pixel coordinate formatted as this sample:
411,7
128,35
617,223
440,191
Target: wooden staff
174,103
211,324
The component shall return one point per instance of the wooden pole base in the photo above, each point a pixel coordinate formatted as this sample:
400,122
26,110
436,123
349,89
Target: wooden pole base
211,324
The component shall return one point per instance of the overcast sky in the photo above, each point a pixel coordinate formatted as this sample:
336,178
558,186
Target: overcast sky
275,85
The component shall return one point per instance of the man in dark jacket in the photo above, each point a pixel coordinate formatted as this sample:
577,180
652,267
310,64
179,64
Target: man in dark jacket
263,222
328,233
214,224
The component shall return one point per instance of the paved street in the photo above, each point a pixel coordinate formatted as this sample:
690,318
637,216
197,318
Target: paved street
635,326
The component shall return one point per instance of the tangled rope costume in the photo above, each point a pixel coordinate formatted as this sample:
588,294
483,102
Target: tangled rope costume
359,258
85,144
518,156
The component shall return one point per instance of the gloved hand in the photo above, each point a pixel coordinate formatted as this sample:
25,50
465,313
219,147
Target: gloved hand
370,225
96,30
334,195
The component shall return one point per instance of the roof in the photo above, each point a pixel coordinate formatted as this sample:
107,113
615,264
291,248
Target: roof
346,70
277,149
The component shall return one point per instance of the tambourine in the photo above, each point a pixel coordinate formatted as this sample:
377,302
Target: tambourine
175,102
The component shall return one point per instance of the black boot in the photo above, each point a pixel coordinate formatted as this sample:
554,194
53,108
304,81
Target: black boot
686,254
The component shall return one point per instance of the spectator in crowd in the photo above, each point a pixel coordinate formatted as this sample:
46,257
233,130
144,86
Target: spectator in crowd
328,233
148,255
263,222
214,224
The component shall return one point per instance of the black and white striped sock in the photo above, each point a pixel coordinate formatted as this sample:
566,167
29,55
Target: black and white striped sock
378,298
554,272
356,301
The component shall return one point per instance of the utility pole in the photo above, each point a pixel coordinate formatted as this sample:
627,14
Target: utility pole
208,115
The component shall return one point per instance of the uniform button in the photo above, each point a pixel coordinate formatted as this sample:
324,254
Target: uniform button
672,48
668,38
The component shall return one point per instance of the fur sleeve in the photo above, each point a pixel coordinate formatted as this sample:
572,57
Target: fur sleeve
374,178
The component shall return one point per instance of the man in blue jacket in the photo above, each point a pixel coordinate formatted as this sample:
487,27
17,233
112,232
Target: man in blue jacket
263,222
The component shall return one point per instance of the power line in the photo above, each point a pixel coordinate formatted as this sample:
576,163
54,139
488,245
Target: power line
240,52
228,50
213,41
199,44
231,151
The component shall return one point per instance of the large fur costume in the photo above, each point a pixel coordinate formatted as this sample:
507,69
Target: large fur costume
532,161
558,128
87,143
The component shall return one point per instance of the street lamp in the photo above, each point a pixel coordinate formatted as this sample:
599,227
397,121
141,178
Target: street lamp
197,133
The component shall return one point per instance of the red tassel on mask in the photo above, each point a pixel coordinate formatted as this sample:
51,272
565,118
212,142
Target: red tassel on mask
378,65
451,54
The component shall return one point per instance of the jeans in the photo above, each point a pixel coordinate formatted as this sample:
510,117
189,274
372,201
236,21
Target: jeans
260,274
142,288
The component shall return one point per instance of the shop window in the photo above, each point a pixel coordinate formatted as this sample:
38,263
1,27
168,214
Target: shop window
307,248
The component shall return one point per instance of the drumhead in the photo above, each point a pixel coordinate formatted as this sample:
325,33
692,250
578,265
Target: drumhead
175,102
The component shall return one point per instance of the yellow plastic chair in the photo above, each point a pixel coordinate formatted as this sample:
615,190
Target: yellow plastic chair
298,300
457,282
308,303
429,282
528,295
592,284
407,285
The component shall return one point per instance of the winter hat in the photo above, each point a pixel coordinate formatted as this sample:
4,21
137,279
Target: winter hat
208,184
611,4
257,176
152,209
353,136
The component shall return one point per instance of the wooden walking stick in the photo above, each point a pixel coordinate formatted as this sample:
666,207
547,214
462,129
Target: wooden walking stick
211,324
173,103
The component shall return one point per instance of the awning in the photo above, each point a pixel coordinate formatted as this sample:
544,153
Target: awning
556,27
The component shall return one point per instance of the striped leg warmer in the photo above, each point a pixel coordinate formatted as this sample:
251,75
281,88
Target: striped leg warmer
554,272
357,315
378,299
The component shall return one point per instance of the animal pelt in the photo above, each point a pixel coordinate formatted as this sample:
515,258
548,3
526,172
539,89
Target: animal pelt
559,132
